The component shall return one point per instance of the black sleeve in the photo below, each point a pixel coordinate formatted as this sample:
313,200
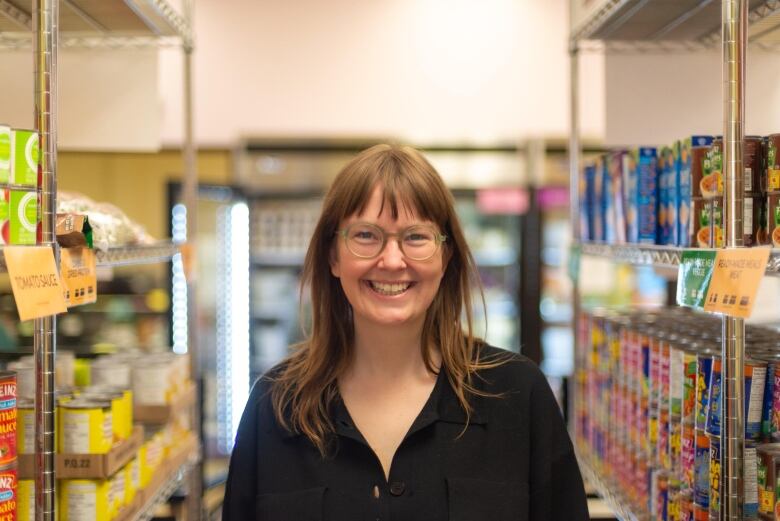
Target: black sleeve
556,488
240,490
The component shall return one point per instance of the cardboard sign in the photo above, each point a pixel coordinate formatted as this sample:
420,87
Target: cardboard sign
78,268
721,281
35,282
735,280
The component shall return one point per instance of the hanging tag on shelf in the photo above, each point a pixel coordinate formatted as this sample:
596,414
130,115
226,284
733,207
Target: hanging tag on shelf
79,276
721,281
735,279
35,282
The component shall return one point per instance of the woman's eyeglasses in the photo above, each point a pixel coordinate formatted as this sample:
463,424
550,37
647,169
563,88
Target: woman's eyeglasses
419,242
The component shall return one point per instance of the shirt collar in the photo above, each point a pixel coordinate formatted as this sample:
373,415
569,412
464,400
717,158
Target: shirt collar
442,405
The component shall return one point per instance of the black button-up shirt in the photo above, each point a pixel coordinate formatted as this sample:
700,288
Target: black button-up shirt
512,461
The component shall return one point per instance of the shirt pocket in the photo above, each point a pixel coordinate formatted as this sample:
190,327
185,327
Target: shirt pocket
298,505
480,500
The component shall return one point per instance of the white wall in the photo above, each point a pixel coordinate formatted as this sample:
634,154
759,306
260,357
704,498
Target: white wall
421,70
657,98
424,70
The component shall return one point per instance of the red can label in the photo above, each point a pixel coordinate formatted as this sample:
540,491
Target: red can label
7,418
8,479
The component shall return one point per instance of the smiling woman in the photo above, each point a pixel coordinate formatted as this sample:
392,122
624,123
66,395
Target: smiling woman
392,409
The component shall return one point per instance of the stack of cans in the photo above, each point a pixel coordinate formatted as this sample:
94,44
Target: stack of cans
19,186
648,412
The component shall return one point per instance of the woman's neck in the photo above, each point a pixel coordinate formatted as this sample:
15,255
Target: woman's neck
388,353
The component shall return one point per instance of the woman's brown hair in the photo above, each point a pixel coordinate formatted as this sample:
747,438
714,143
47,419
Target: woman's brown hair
305,385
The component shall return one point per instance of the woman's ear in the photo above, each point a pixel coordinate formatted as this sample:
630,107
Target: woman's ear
333,259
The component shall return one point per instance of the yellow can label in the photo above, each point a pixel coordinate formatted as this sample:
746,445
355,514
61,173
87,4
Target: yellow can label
85,431
84,499
25,500
774,179
25,431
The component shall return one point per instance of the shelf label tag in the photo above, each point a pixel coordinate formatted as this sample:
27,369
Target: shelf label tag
735,280
721,281
35,282
79,275
694,276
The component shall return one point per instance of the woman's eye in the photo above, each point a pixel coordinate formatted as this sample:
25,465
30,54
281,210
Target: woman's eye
365,235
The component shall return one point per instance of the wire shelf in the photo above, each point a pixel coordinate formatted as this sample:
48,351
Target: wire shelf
130,255
658,256
691,24
619,507
166,490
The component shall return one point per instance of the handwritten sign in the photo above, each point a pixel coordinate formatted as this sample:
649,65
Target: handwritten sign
79,276
35,282
721,281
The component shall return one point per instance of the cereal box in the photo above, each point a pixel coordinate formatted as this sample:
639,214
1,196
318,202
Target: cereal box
631,197
587,203
647,193
666,214
617,165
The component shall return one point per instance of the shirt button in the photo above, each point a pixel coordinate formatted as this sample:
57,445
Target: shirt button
375,492
397,488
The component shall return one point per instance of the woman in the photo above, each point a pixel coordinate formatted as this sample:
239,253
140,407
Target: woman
392,409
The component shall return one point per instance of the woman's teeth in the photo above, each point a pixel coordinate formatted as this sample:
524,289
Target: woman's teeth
390,289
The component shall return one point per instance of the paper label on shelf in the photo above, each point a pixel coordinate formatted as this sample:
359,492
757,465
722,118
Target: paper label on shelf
694,275
575,252
79,275
35,282
721,281
736,276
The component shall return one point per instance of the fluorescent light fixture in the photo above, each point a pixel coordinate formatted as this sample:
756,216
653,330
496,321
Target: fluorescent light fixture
179,281
232,321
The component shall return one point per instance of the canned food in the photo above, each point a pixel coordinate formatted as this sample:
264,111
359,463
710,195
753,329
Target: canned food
132,478
85,499
7,417
25,426
118,492
773,162
715,477
660,494
25,500
151,383
707,223
713,401
753,159
8,486
701,470
703,372
750,505
86,427
118,410
109,373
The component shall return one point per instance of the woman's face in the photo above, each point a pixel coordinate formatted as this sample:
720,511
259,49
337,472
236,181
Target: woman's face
389,289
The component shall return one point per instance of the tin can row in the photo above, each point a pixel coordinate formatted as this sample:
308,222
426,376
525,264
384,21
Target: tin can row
648,402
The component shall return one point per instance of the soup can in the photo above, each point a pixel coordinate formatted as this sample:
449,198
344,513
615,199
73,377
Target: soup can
86,427
25,426
8,418
8,487
82,499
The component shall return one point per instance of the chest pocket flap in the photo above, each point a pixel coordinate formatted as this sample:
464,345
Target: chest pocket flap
480,500
298,505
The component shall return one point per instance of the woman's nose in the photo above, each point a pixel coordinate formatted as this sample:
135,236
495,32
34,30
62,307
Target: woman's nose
391,257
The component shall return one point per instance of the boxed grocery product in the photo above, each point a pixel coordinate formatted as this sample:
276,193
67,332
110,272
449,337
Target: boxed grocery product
22,217
772,163
5,153
690,155
667,209
631,197
25,154
587,202
647,193
618,163
754,230
606,220
754,163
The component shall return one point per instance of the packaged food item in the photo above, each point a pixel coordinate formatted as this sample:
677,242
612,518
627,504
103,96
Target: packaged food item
704,364
25,155
711,184
631,197
601,199
5,154
23,217
85,499
701,485
647,189
773,163
667,198
618,162
773,219
8,418
689,162
707,223
753,161
73,230
86,427
754,229
8,488
750,505
715,477
25,502
660,494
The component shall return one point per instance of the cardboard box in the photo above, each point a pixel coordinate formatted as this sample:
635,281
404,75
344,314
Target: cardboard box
690,155
25,154
88,466
647,193
160,414
5,154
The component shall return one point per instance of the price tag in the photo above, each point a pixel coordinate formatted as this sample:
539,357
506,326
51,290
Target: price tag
35,282
79,275
721,281
735,280
693,277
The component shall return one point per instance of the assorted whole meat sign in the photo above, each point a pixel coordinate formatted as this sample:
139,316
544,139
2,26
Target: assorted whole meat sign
673,195
647,412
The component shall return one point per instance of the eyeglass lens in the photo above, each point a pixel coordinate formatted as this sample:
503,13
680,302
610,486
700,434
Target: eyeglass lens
416,242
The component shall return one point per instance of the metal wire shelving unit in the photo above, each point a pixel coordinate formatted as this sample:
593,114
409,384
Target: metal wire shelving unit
45,26
684,25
